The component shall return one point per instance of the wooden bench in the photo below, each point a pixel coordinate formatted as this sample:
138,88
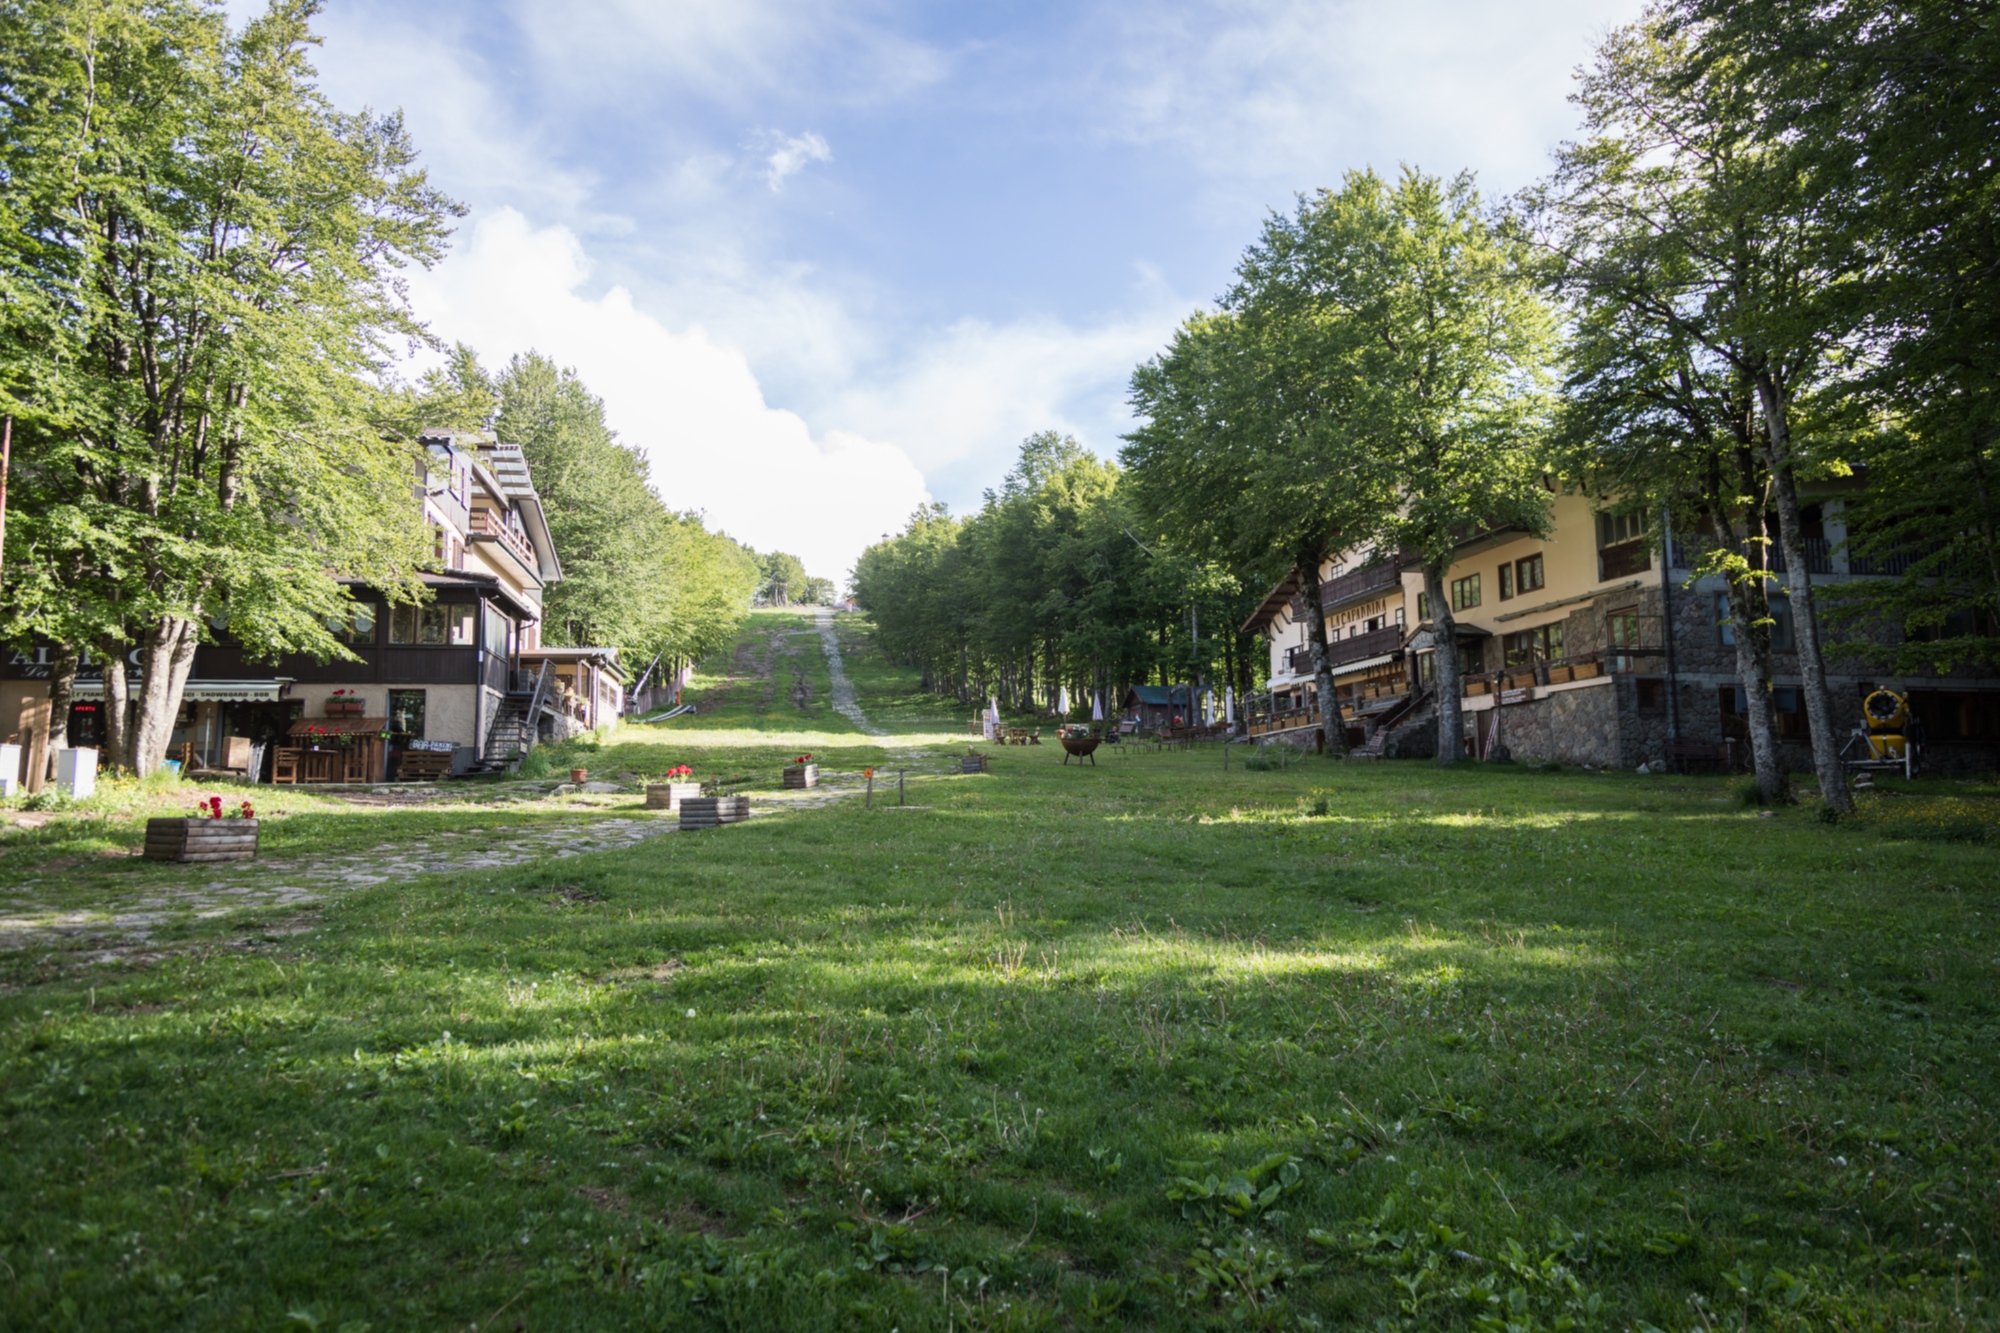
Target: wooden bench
1682,753
423,765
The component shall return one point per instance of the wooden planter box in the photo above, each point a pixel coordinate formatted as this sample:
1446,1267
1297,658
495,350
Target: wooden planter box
801,776
1586,670
1477,687
345,708
201,839
1561,675
1521,680
972,763
714,811
670,795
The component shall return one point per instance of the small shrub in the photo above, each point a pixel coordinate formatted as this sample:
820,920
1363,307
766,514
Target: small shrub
536,764
1932,819
1320,808
1260,762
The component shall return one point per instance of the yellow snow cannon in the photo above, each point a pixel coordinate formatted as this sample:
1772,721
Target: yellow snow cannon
1887,713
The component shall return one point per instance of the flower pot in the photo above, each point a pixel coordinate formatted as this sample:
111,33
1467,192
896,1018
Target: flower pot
972,763
1559,675
344,707
1476,687
670,795
712,811
223,839
1587,670
798,777
579,775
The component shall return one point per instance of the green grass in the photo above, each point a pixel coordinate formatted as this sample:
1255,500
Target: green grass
1150,1044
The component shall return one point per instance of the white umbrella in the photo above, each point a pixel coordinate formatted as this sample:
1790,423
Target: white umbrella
1229,707
1062,700
1096,707
1208,708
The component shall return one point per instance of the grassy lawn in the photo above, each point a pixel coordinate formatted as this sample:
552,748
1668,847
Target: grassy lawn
1151,1044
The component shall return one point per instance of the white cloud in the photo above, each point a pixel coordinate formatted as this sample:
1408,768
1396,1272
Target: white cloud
790,154
690,402
1296,90
963,403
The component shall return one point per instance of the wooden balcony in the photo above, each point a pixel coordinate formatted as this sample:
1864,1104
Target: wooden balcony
485,523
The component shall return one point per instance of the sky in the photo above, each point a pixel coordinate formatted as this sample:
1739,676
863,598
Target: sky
828,261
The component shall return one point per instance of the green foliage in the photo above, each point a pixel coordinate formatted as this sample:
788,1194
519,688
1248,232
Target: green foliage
198,294
636,575
1046,586
784,578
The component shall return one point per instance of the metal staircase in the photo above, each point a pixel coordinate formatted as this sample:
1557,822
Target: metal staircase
513,731
1413,708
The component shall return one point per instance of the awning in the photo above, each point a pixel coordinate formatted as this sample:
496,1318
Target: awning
202,691
1365,664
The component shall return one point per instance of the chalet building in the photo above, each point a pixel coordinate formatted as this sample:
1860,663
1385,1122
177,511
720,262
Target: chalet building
1156,706
1590,647
460,682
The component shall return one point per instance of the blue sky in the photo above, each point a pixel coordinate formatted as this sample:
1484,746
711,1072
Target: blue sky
826,260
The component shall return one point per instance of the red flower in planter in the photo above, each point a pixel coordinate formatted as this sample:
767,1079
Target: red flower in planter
802,759
210,808
246,812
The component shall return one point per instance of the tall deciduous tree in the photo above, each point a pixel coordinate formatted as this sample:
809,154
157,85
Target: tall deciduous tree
199,259
1651,417
1727,251
1243,452
1885,112
1411,322
636,576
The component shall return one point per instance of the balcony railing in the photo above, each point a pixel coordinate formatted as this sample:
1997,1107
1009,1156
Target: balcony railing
487,524
1342,651
1375,578
1690,550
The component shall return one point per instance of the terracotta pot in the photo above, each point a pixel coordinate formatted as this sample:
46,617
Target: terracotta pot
579,775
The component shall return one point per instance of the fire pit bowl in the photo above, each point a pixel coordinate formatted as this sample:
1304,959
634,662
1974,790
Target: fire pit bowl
1080,747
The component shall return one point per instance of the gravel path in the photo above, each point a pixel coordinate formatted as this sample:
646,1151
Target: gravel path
843,688
231,887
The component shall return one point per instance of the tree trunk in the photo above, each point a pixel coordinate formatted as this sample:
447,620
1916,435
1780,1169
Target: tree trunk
62,689
170,645
1451,715
117,707
1748,607
1805,623
1333,732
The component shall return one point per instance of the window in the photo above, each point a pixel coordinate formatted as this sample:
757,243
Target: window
1506,582
1399,617
1652,696
1528,573
1423,606
1621,546
1543,643
434,625
1781,622
356,626
406,713
1465,593
1788,717
1617,529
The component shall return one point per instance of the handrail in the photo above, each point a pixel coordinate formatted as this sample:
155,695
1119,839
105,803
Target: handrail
538,700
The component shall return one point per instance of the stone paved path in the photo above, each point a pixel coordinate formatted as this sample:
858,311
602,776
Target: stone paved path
213,891
843,688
